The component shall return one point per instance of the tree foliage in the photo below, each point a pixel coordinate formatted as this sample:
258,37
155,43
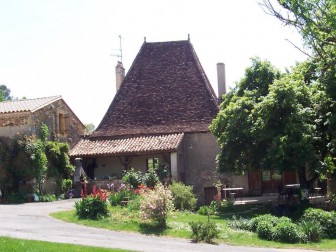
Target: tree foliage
315,20
28,157
234,125
271,122
5,93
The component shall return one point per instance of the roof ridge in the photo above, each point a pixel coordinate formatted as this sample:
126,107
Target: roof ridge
25,105
30,99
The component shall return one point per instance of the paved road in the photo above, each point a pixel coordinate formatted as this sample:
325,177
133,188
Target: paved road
32,221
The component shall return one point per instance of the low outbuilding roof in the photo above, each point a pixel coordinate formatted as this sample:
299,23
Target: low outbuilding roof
26,105
127,146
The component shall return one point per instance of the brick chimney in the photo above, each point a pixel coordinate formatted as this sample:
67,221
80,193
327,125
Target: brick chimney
120,74
221,81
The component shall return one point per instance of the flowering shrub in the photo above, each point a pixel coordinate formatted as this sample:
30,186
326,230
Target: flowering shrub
93,206
157,204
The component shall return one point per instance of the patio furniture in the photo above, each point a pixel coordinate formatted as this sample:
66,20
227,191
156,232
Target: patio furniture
233,191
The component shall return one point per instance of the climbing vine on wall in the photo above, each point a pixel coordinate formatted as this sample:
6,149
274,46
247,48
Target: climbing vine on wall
29,157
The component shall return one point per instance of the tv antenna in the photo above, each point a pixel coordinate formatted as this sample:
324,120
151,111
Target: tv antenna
119,55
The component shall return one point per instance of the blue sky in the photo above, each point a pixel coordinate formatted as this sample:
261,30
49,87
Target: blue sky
65,47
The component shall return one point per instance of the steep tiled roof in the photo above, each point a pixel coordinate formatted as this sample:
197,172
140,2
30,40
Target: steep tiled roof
127,146
165,91
26,105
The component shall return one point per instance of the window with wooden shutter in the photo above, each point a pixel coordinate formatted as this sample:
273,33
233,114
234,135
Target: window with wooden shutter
64,124
61,125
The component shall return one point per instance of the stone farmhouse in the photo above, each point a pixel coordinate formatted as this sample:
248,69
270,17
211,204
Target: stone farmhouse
160,116
26,116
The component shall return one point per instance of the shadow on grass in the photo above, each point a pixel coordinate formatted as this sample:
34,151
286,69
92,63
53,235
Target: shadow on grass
152,229
247,211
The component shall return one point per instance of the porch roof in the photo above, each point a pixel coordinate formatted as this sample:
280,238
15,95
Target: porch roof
127,146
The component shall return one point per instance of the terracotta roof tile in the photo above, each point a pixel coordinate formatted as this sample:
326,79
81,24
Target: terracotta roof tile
165,91
123,146
26,105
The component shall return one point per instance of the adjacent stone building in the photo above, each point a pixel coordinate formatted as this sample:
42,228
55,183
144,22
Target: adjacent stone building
26,116
160,116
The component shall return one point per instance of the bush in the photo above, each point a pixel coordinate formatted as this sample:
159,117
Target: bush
204,231
241,223
266,217
312,230
157,204
91,207
134,205
115,198
265,230
132,178
183,196
288,232
47,198
151,178
222,206
205,210
327,221
66,185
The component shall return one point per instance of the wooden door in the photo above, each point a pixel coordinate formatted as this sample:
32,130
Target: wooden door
271,181
254,180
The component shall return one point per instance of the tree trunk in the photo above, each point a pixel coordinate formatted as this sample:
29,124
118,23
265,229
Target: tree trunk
302,178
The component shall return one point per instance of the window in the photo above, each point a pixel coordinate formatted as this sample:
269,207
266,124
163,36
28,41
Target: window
63,124
152,163
266,175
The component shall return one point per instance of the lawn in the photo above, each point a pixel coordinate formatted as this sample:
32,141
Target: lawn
123,220
19,245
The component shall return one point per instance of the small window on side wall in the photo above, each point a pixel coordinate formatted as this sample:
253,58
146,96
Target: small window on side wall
152,163
64,124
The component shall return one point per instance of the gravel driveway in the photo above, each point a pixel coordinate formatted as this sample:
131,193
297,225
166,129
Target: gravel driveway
32,221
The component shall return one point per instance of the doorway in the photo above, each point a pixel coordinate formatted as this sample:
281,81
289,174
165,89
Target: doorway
271,181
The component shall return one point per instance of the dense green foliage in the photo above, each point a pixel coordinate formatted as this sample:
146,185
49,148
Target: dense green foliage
28,157
150,179
315,20
281,128
327,221
314,225
5,93
132,178
183,196
201,231
47,197
91,207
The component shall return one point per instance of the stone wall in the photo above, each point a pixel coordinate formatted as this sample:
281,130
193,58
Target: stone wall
12,124
50,116
200,151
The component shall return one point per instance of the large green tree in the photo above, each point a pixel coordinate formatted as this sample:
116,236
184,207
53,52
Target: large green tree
234,125
270,121
315,20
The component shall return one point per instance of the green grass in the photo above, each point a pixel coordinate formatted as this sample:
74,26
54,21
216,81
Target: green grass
20,245
123,220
